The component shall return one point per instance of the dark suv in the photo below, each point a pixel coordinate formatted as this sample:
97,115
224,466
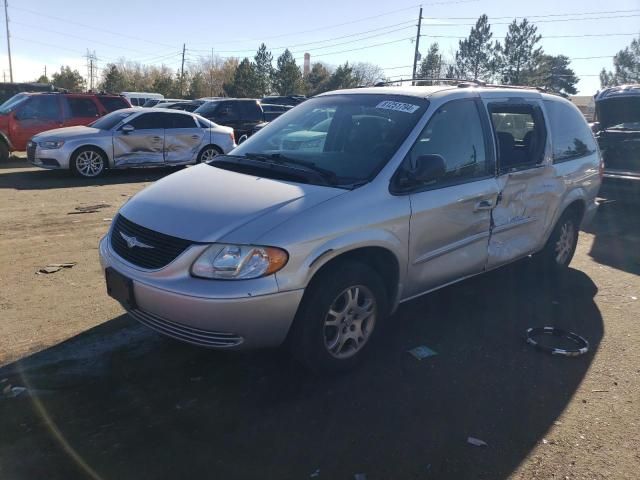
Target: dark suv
27,114
617,129
241,114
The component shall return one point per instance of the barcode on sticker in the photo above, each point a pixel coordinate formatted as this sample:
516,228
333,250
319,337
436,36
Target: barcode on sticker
398,106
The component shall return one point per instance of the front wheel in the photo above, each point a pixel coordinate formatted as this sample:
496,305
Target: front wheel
88,163
342,310
561,246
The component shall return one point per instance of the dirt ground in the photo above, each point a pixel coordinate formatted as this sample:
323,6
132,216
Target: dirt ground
109,399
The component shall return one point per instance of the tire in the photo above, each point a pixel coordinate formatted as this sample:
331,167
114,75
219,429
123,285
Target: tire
341,312
88,162
561,246
4,152
208,153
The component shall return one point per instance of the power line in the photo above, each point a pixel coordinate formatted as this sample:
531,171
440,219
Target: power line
539,16
322,41
92,27
536,22
546,36
364,48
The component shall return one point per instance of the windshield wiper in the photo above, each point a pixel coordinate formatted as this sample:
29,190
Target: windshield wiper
327,175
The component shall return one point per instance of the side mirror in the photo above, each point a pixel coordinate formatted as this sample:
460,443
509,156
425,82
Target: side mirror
242,138
595,127
429,168
127,128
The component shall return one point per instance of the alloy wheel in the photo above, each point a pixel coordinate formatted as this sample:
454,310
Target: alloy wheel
208,155
350,321
89,163
564,245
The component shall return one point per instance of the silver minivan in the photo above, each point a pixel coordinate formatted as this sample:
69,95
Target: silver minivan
315,229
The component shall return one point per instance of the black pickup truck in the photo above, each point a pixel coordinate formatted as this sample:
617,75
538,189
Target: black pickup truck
617,129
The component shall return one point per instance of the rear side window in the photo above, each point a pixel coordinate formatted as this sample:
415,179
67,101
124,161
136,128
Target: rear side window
82,107
463,149
571,136
149,121
111,104
181,121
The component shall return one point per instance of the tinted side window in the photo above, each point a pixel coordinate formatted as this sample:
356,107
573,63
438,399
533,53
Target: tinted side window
111,104
571,136
41,107
181,121
148,121
82,107
228,111
251,111
455,133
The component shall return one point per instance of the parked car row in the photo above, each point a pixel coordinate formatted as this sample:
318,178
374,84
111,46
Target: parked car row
27,114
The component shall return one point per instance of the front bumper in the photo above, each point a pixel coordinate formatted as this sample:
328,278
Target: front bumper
56,158
229,317
617,183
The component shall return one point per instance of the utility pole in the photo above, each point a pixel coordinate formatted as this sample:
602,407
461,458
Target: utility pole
182,69
417,52
6,20
92,68
45,71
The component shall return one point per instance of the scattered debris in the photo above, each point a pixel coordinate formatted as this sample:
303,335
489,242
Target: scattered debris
89,209
476,442
107,219
634,298
545,441
9,391
360,476
599,391
582,345
422,352
315,474
54,267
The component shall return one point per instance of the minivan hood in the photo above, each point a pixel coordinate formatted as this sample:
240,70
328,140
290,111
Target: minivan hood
68,132
206,204
616,110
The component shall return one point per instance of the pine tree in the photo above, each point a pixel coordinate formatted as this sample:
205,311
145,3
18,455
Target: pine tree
113,81
342,78
431,65
287,79
626,64
68,79
520,55
264,70
554,74
317,79
475,58
245,82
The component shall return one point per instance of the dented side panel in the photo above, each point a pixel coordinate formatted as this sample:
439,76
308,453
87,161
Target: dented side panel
141,147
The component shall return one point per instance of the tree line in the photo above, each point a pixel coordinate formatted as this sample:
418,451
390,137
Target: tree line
518,60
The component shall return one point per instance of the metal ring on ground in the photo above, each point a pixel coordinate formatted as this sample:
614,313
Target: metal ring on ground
582,345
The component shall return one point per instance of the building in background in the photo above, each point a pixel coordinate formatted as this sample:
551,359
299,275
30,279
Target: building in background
585,104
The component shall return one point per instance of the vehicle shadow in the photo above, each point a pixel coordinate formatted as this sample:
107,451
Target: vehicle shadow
24,179
152,405
616,228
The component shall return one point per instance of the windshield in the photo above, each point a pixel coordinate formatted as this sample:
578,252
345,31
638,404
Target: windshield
352,136
111,120
13,102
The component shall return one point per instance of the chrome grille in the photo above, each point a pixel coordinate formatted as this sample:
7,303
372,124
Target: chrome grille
195,336
160,249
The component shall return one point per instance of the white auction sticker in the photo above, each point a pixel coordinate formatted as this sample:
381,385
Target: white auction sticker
398,106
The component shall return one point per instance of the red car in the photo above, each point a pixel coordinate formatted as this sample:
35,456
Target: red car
26,114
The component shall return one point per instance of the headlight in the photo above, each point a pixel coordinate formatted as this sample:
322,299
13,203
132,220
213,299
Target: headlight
50,144
238,262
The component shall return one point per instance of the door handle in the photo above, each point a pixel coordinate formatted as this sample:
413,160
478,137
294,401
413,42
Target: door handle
195,137
156,138
483,205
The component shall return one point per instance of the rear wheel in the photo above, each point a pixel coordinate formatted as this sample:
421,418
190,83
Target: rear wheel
88,162
340,314
208,153
561,246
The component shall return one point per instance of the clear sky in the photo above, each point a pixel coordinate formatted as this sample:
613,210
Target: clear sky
46,33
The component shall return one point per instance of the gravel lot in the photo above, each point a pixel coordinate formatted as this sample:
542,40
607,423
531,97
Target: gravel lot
109,399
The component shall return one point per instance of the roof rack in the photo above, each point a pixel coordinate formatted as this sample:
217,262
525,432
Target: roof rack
459,81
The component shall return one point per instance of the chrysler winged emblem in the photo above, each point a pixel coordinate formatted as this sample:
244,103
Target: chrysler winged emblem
134,242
